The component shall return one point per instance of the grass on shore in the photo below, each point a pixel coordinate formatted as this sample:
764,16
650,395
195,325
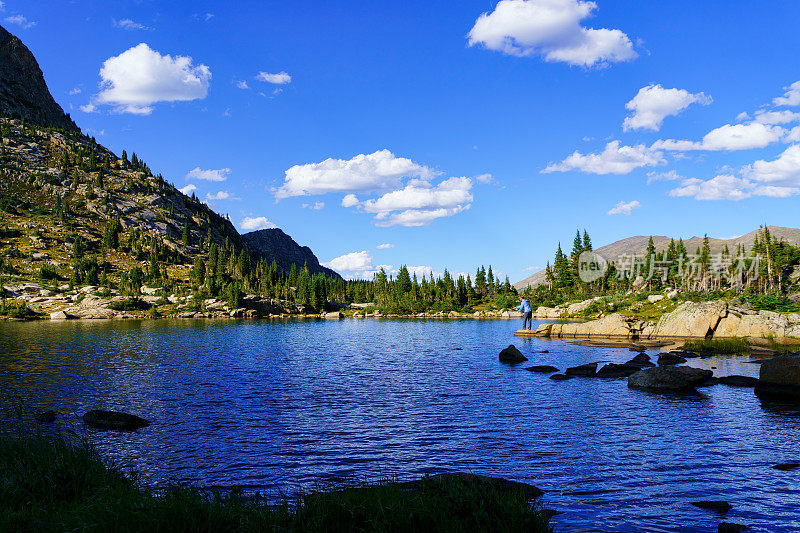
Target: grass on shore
729,345
50,484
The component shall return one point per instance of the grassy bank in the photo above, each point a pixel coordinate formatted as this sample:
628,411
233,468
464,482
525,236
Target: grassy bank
50,484
729,345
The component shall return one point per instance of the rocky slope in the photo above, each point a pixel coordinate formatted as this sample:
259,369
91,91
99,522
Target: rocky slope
23,91
275,245
638,245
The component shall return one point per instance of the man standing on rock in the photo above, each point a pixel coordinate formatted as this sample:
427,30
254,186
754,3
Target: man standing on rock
525,308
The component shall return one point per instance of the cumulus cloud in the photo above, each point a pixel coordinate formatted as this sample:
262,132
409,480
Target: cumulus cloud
188,189
140,77
281,78
21,21
350,200
551,29
221,195
419,203
652,104
256,223
776,117
89,108
385,246
728,138
670,175
791,97
316,206
486,179
615,159
783,171
625,208
128,24
723,187
363,173
198,173
356,265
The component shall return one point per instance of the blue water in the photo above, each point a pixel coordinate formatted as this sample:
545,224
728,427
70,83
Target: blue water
287,404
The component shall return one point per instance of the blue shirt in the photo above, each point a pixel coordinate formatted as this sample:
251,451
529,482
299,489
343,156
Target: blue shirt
525,307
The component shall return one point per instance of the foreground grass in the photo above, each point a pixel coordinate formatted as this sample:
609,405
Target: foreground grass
50,484
729,345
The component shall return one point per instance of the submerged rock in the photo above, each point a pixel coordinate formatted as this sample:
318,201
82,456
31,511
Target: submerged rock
738,381
729,527
642,360
101,419
786,466
668,378
718,506
501,484
542,369
512,355
560,377
47,417
779,378
588,370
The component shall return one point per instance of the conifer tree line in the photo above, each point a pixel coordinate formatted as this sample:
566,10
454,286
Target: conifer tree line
764,268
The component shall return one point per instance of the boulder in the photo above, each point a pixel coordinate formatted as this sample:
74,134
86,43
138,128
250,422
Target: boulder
560,377
653,298
59,315
641,361
100,419
668,378
691,319
334,315
580,307
588,370
786,466
542,369
613,370
764,324
511,355
779,378
665,359
738,381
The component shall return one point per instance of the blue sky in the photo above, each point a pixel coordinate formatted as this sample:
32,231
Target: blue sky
445,131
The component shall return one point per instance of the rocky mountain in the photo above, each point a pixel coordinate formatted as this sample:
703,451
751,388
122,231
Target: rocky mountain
23,91
638,245
70,209
275,245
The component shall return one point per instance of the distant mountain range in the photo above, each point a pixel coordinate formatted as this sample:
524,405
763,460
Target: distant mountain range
638,245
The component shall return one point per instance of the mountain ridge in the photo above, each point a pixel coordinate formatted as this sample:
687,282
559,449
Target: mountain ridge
637,244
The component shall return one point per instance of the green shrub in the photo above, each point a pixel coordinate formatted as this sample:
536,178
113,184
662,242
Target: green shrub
130,304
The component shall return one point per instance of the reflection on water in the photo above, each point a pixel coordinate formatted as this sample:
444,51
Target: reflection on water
289,403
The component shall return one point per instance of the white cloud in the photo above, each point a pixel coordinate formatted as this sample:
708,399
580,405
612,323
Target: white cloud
316,206
791,97
419,203
783,171
615,159
140,77
281,78
356,265
198,173
21,21
776,117
551,29
89,108
385,246
242,84
363,173
652,104
723,187
188,189
256,223
221,195
76,90
793,135
350,200
128,24
670,175
728,137
625,208
741,117
486,179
